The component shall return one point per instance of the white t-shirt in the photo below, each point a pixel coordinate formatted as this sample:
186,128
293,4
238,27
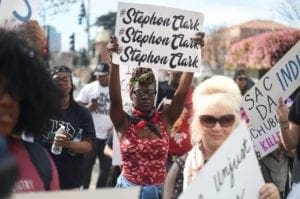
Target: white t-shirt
101,119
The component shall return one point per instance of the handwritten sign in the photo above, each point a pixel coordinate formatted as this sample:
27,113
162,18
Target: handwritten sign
17,11
157,36
91,194
281,81
232,172
266,137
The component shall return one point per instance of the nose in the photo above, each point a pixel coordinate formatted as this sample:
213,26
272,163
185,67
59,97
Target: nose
6,100
217,126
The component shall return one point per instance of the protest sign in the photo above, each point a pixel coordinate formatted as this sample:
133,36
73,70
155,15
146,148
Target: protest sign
261,101
157,37
266,137
110,193
232,172
16,11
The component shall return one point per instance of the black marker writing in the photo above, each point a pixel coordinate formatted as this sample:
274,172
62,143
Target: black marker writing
137,36
228,170
137,16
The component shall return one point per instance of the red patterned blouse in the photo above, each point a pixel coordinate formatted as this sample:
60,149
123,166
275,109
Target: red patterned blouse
144,160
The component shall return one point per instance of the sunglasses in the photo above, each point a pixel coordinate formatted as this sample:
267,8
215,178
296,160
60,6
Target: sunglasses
140,93
210,121
242,78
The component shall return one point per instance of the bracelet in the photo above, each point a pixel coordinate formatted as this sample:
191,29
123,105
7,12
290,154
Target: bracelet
284,124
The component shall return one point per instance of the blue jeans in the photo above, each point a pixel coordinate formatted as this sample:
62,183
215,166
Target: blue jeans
147,191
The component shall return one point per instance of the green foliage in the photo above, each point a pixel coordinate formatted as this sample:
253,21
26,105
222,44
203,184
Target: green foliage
108,21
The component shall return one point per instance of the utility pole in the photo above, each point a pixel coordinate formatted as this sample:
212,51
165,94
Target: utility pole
88,26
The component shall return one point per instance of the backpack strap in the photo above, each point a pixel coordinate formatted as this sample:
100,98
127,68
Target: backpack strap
39,158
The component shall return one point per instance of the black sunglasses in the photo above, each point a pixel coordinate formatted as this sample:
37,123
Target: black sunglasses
140,93
210,121
242,78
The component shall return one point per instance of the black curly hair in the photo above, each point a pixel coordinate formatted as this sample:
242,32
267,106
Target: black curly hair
25,77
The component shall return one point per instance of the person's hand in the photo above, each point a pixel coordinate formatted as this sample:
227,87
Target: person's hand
282,111
199,38
269,191
112,46
93,106
63,139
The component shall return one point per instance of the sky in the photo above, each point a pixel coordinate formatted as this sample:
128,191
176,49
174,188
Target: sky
216,13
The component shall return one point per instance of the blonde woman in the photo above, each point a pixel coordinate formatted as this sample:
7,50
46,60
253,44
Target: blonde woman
216,109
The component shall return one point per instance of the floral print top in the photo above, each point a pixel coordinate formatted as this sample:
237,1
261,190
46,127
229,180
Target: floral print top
144,159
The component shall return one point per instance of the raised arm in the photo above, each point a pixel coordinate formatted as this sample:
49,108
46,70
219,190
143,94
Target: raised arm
172,112
117,114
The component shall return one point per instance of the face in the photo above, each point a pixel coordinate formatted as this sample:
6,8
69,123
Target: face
216,124
241,81
9,113
103,79
63,80
142,96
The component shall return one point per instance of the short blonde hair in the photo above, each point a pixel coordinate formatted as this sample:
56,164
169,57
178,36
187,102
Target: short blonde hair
217,89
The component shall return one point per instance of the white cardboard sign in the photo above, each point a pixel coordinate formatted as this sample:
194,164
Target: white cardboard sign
17,11
157,37
110,193
266,137
282,80
232,172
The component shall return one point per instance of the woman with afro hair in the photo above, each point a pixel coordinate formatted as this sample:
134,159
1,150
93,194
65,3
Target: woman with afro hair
28,98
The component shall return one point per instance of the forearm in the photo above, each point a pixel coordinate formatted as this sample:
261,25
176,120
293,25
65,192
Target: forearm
185,83
115,85
289,135
84,146
172,112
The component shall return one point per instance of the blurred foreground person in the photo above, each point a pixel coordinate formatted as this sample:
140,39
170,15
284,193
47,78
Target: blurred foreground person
28,98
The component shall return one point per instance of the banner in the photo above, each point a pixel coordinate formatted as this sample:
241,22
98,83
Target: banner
157,37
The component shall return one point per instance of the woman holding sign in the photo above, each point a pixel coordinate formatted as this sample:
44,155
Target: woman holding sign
144,133
216,109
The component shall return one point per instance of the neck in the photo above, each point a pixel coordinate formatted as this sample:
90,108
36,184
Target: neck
144,115
207,153
65,102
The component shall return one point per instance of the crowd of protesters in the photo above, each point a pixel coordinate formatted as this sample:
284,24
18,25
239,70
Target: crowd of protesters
161,145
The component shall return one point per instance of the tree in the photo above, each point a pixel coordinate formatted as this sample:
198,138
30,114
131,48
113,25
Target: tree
108,21
290,11
262,51
215,50
53,7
